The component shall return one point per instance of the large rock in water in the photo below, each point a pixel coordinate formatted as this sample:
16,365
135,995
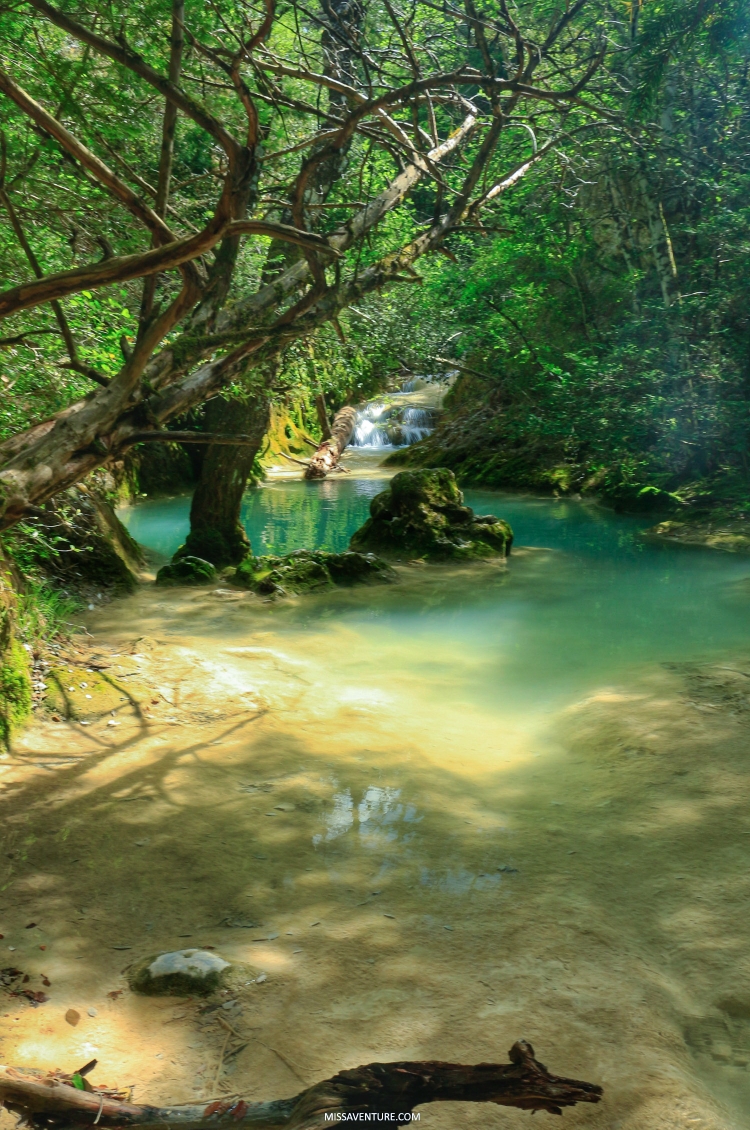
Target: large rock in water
309,571
422,514
182,973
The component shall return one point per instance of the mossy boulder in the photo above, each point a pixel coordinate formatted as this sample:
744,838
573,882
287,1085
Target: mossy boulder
220,547
306,571
422,514
182,973
187,571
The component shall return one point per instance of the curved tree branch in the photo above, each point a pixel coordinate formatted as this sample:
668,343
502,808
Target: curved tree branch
121,268
86,158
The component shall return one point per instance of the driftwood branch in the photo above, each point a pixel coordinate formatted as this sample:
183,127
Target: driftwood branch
50,1099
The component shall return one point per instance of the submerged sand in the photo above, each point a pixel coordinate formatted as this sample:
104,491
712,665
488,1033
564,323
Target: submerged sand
418,876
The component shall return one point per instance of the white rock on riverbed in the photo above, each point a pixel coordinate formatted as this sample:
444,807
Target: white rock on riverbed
180,973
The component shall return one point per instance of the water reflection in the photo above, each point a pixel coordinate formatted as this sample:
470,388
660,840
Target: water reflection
376,814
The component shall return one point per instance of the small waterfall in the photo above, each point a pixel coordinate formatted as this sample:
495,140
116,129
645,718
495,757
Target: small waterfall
370,429
401,418
416,423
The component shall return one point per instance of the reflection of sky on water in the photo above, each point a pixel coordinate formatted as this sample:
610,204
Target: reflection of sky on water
458,881
376,813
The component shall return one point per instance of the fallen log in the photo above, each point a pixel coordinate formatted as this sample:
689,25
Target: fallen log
330,450
393,1089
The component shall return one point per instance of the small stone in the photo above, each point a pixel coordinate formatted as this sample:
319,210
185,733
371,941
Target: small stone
180,973
261,978
72,1017
92,1012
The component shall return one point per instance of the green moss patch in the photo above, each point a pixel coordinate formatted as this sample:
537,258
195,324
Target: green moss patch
187,571
15,689
423,515
306,571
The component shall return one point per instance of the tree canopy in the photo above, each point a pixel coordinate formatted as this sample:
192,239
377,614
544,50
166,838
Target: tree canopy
188,191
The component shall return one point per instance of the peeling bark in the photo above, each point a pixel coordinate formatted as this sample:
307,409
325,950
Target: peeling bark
330,450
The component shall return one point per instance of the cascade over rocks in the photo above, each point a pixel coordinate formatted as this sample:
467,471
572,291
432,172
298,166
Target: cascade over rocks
422,514
306,571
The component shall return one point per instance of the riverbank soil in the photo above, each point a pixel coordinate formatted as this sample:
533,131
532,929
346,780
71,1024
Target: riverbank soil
415,878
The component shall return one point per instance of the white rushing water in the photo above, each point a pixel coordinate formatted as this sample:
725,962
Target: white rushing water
401,418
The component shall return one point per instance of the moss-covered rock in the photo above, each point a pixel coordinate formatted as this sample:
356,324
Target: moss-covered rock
307,571
187,571
15,689
704,533
220,547
422,514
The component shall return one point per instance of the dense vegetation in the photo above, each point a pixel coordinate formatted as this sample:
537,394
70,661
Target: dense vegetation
605,334
208,210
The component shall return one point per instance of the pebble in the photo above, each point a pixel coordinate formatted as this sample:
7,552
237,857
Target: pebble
92,1012
261,978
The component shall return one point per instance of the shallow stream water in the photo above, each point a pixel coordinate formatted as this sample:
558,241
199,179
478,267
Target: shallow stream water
483,803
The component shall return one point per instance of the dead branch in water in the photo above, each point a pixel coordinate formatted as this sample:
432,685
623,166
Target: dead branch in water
50,1099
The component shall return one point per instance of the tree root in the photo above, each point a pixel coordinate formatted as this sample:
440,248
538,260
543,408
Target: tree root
51,1100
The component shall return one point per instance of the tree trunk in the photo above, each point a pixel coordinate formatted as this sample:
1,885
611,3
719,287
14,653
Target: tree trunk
331,450
216,532
376,1088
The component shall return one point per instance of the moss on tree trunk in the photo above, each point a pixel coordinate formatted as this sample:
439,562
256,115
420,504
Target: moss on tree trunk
15,679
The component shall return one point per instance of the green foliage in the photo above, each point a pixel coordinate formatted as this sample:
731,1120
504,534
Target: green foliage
15,689
600,318
45,612
605,334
